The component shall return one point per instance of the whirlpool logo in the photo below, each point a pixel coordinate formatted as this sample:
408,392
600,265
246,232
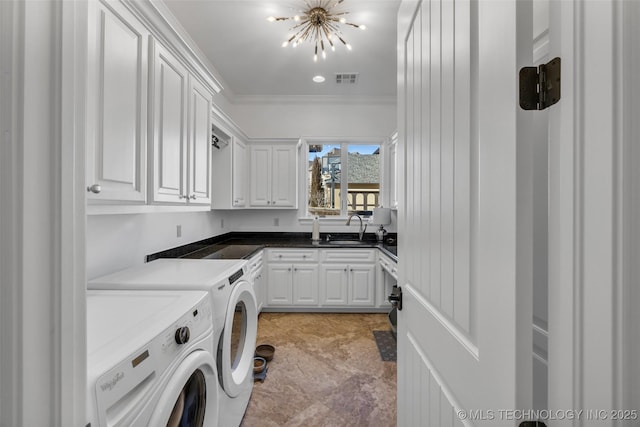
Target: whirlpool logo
109,385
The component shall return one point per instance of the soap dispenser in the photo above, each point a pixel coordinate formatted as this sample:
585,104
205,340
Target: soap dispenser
315,233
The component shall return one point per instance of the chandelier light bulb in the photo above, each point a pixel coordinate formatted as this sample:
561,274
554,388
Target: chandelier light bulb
317,23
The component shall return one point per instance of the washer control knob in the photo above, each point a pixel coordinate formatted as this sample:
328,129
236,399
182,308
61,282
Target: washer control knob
182,335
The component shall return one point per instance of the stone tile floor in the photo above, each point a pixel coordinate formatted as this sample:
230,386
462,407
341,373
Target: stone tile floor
326,371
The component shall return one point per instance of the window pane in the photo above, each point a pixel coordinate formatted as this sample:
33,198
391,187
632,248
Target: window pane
324,179
364,177
328,176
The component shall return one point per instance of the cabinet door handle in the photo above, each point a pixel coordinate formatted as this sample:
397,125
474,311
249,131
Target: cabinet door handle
273,202
289,269
192,197
268,202
95,188
182,196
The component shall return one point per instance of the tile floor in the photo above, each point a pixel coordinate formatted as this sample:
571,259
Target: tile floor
326,371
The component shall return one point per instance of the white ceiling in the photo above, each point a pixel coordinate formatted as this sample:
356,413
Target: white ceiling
245,49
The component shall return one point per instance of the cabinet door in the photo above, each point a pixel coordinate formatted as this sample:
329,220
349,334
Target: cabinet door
305,284
169,147
199,185
279,282
284,176
259,288
260,173
334,284
361,285
117,104
239,174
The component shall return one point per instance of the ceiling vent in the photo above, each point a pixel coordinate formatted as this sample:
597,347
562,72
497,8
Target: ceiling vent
346,78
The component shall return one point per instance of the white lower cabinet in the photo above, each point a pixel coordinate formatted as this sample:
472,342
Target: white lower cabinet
256,271
321,279
347,285
335,282
292,278
292,284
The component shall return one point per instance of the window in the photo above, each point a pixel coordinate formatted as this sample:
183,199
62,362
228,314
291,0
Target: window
333,167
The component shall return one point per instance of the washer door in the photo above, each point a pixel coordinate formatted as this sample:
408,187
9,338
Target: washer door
190,398
237,345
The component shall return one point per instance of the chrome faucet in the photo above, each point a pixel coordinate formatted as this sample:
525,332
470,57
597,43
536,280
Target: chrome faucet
362,230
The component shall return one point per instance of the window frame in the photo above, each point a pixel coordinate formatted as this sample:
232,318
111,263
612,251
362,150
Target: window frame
344,143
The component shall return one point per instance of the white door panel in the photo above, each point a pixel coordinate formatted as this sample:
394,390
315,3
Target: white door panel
463,257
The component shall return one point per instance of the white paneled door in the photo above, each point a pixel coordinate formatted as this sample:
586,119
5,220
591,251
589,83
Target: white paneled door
464,331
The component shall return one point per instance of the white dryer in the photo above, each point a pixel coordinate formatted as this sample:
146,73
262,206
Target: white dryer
235,319
150,360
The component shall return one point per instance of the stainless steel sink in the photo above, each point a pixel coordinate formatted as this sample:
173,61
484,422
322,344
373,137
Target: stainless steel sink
350,242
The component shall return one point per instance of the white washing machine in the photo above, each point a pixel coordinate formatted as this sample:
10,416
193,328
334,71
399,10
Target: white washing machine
150,360
235,319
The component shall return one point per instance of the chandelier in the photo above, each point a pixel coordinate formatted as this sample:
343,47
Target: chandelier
319,24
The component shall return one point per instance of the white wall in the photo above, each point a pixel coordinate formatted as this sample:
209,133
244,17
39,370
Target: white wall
288,221
315,119
115,242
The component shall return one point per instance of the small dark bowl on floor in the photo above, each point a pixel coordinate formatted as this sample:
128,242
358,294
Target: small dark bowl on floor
259,364
266,351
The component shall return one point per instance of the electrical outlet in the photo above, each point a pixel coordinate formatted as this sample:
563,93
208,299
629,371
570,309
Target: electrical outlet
276,222
178,231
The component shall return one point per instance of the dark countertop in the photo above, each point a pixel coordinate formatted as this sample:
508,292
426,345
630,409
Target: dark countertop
239,245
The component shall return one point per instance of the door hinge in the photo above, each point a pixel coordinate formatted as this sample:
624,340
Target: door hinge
396,297
540,86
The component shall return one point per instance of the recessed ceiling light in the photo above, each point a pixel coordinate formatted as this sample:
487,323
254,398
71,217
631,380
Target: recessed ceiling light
318,79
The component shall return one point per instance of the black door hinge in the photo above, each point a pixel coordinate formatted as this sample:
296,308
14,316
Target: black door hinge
396,297
540,86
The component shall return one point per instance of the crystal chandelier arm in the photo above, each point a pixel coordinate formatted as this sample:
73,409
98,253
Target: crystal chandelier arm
315,23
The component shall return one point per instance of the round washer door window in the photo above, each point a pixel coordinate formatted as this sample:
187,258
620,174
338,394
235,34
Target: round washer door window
238,343
190,397
189,408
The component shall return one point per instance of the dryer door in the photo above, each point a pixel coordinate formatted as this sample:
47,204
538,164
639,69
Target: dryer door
190,398
237,346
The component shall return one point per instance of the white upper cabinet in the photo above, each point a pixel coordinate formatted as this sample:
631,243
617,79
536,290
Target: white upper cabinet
149,103
180,150
230,172
239,176
117,104
273,176
169,148
199,150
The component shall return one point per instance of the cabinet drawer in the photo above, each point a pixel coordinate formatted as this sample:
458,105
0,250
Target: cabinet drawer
293,255
348,255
